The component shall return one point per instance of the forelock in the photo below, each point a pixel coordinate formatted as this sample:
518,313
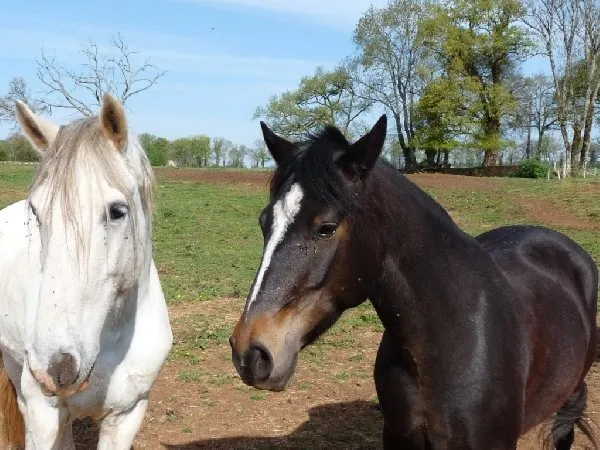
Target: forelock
81,149
314,169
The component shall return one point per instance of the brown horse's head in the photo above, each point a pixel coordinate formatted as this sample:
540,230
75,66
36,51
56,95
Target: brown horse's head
309,272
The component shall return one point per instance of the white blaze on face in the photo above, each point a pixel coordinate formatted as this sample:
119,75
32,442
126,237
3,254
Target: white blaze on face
284,212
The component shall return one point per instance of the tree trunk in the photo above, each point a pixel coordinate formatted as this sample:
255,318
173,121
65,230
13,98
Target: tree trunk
528,144
589,122
538,149
410,160
587,133
430,154
565,135
576,147
491,125
446,156
492,137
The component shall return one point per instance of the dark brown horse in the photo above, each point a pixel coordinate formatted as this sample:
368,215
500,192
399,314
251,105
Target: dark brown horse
484,337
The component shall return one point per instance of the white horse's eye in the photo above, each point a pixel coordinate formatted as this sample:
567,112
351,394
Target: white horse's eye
117,211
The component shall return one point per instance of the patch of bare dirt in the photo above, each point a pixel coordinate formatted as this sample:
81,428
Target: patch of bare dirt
258,179
551,214
327,406
444,181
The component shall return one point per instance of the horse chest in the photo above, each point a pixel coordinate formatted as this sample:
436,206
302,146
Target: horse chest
117,383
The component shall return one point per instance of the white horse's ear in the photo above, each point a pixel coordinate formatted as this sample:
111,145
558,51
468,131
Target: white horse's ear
40,132
113,122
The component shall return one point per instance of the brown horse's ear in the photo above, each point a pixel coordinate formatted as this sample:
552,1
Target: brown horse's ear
281,149
113,122
366,150
40,132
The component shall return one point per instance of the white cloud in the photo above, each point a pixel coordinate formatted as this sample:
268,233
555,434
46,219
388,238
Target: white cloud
336,13
234,65
161,50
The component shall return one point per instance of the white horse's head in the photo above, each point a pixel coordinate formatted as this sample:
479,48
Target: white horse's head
92,198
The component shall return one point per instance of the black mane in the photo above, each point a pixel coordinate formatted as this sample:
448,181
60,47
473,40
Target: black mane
314,168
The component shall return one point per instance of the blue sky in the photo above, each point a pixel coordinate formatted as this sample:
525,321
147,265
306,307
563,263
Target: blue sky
223,57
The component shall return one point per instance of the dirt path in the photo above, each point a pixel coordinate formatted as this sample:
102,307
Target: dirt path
200,402
258,179
328,406
551,214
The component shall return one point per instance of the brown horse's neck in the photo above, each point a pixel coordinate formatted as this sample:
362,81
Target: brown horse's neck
412,254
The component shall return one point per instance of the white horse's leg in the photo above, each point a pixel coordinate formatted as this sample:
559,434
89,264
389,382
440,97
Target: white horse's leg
45,424
117,431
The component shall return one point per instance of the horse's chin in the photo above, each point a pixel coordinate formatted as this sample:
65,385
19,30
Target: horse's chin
273,386
279,379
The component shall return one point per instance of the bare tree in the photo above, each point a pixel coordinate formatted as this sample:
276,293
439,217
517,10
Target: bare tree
114,71
391,64
538,109
569,35
590,11
18,90
543,107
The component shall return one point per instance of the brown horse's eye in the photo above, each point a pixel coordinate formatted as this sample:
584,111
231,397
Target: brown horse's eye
326,230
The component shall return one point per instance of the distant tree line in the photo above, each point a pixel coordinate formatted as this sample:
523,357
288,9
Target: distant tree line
193,151
203,151
17,148
449,74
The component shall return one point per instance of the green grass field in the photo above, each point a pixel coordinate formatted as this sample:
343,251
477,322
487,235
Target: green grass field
207,247
208,243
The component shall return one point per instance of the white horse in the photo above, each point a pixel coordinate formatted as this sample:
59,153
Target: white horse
84,327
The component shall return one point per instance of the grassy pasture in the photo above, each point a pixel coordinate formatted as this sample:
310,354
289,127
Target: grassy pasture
207,247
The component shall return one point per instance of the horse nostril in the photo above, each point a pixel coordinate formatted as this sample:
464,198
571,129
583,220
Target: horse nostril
64,369
259,362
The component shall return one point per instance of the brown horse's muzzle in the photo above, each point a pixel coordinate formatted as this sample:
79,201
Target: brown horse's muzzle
264,356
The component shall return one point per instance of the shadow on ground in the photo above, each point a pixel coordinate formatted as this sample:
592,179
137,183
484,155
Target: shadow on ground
351,425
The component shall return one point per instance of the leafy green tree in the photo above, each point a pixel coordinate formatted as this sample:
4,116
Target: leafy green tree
191,151
201,149
477,44
220,150
236,155
4,154
260,154
156,148
441,119
324,98
20,149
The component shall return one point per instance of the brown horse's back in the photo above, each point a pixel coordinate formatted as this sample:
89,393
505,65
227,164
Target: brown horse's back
557,283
